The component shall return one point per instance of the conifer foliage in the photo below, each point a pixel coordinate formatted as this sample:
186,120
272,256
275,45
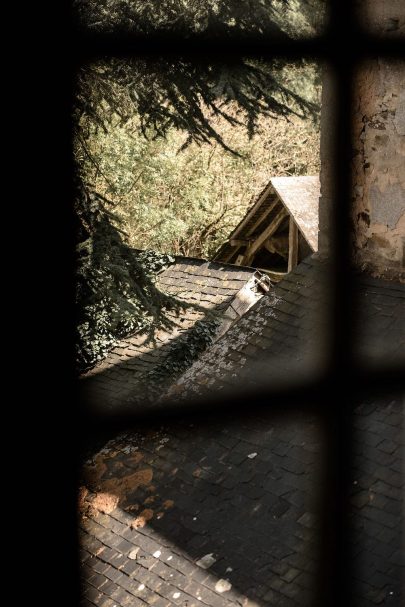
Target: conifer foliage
207,18
116,293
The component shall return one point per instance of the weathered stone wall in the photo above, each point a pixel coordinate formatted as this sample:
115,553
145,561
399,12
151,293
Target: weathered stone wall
382,17
379,168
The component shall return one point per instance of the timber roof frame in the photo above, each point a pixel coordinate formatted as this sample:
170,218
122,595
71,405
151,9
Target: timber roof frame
293,196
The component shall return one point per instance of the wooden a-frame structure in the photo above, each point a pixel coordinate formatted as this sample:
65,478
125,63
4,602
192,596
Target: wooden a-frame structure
279,230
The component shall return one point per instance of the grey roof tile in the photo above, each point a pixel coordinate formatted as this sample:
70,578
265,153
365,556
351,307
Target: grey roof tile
209,285
288,326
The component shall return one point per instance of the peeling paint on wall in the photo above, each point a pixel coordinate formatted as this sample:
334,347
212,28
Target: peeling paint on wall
399,120
379,169
388,205
378,199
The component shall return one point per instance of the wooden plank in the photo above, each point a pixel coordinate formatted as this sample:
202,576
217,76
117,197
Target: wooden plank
292,245
260,240
235,242
226,258
263,216
238,243
272,274
253,210
239,260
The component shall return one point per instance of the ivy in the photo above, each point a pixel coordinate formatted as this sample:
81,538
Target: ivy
116,292
182,353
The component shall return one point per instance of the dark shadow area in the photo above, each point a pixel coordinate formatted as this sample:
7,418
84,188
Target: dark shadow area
377,507
134,383
246,495
278,346
237,20
140,369
336,390
199,490
379,315
279,341
246,492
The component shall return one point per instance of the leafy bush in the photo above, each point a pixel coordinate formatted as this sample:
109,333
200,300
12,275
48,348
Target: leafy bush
187,202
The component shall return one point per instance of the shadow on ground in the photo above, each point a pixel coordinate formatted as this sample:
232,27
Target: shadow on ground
241,499
241,496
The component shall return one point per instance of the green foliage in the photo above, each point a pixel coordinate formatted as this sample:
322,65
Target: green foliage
183,352
215,18
131,119
187,202
116,292
185,93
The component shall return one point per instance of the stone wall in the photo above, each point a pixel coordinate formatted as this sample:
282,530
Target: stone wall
378,168
382,17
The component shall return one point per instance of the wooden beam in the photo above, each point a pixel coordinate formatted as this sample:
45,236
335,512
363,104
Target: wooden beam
278,244
261,239
238,243
273,275
239,260
226,258
253,210
235,242
263,216
292,245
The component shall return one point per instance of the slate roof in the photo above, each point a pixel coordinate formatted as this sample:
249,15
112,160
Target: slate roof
222,511
301,197
228,290
284,335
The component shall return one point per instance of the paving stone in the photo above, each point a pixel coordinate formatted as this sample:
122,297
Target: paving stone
240,531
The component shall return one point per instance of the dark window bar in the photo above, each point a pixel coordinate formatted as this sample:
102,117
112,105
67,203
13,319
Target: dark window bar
341,46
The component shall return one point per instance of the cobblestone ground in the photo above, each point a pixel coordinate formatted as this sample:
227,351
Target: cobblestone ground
226,514
378,508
